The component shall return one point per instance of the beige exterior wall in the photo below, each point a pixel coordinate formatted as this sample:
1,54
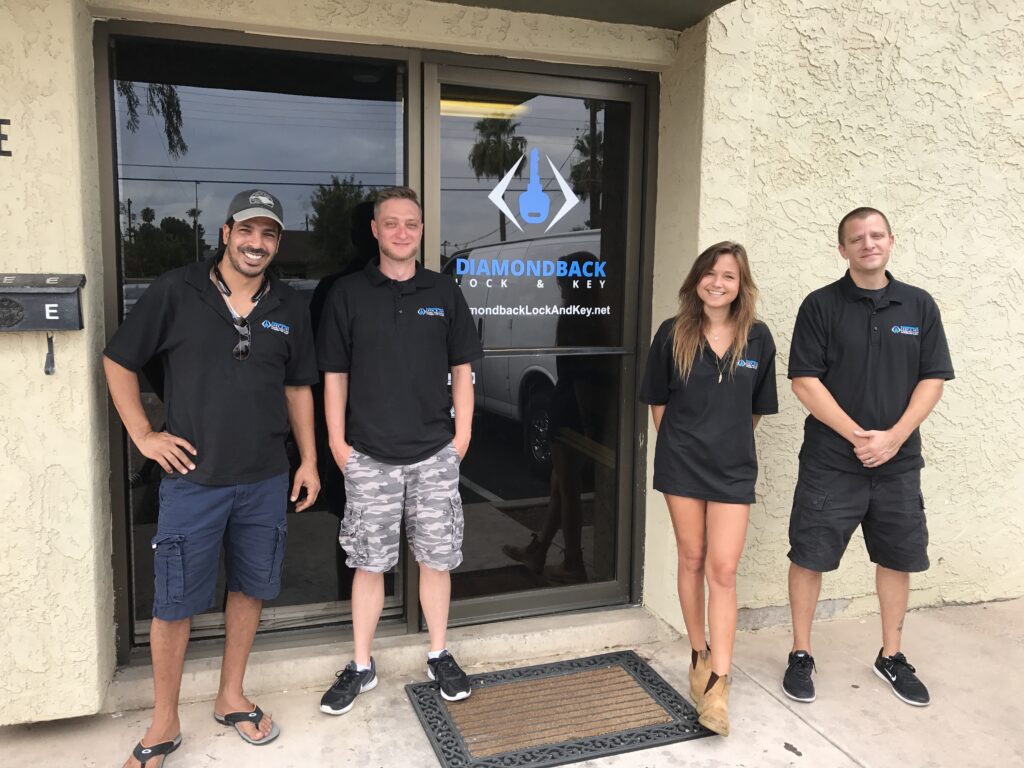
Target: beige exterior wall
56,639
810,110
775,118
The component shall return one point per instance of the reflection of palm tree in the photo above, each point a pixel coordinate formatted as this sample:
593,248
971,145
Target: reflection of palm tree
497,148
585,176
194,214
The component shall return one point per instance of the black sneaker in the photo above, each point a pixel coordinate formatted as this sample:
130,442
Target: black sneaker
797,683
899,674
340,697
452,681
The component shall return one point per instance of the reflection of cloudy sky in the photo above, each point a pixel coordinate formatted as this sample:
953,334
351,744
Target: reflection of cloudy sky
289,144
284,143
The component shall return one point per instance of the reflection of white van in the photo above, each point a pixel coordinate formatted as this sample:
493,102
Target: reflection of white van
517,375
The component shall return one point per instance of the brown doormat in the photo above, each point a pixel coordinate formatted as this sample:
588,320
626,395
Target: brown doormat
554,714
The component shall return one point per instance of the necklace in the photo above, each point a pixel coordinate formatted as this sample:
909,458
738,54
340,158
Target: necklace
718,366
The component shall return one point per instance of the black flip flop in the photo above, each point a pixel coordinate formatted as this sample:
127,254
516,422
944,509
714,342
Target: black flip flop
164,748
255,717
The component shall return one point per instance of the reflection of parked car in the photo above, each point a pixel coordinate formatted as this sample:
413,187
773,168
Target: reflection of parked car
518,373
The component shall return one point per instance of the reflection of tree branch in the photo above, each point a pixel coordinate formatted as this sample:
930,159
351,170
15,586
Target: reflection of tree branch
161,99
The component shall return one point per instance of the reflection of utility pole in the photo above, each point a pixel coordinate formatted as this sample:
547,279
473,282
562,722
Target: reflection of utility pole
195,221
131,235
444,253
307,222
595,208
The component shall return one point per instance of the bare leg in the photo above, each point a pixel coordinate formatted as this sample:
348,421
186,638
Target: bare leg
570,467
804,588
688,523
242,617
727,532
893,594
435,597
167,641
554,516
367,604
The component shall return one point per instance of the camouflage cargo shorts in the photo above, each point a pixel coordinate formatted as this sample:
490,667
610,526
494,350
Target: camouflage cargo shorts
379,494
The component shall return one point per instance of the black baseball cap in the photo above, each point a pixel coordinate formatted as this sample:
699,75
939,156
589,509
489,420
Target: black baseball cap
256,202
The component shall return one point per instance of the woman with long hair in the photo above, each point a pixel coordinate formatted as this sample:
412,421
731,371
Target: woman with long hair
710,377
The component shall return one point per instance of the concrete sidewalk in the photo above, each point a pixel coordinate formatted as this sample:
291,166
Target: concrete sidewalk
971,658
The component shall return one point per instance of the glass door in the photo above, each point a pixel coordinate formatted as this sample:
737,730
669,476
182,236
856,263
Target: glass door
532,204
194,124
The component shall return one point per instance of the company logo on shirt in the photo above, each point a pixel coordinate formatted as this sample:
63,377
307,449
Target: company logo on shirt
906,330
279,327
430,311
751,364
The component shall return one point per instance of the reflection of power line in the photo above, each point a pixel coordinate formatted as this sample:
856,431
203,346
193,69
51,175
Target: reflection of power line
382,127
482,237
391,172
237,181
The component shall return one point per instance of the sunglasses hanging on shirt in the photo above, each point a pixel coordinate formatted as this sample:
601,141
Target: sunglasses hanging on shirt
241,350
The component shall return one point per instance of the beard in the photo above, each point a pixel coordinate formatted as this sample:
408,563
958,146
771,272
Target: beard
413,255
243,267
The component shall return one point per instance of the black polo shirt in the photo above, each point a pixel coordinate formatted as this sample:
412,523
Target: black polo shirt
705,446
233,411
870,349
397,341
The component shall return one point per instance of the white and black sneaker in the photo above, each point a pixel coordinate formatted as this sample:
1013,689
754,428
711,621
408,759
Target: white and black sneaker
797,683
350,682
899,674
452,681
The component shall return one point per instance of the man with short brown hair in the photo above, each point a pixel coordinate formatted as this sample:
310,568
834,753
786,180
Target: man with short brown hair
868,360
389,339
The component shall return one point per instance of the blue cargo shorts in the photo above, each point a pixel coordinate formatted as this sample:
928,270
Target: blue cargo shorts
195,520
379,495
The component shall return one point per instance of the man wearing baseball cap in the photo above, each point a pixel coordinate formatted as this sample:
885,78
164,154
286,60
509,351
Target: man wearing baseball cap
227,334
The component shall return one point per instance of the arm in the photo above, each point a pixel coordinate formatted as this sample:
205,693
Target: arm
169,451
881,445
755,418
299,401
462,399
335,402
819,401
657,411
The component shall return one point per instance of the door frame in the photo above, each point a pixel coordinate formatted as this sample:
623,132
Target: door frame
621,589
420,65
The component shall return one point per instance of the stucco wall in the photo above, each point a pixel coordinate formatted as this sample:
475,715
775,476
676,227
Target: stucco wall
775,119
417,23
810,110
56,641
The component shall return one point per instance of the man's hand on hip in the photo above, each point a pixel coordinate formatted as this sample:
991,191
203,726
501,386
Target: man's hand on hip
167,450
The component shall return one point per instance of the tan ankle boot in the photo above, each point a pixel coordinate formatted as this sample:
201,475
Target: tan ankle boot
699,676
714,711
